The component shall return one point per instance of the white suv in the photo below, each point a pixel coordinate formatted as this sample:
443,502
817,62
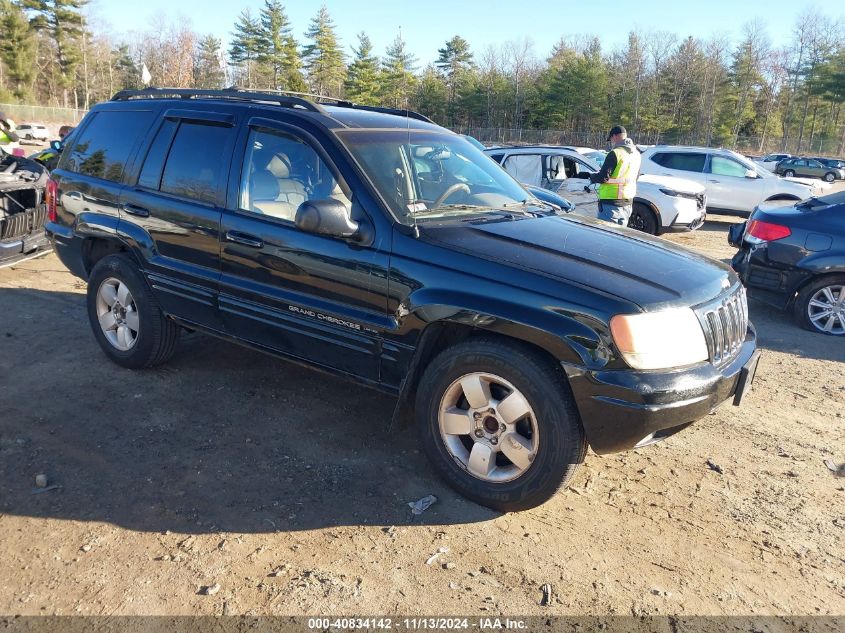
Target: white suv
734,183
662,204
33,131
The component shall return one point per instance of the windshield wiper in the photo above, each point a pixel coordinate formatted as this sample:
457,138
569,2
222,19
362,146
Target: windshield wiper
450,207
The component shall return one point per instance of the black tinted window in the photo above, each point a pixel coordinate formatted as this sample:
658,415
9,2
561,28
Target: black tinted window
685,161
195,163
105,144
153,164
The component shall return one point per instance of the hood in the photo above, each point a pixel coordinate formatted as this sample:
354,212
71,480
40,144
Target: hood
642,269
683,185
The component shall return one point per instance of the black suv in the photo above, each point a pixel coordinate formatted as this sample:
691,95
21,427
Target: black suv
374,244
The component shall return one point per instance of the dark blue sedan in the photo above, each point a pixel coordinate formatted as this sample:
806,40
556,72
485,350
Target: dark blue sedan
794,258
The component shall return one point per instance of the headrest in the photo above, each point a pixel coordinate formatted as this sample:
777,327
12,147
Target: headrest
279,166
265,186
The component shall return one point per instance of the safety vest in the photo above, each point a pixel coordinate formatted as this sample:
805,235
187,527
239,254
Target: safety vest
622,184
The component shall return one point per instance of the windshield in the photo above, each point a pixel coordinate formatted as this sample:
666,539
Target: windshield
425,175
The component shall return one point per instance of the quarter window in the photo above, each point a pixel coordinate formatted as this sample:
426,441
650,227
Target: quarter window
105,145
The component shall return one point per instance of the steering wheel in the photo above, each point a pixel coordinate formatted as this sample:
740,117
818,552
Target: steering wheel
452,190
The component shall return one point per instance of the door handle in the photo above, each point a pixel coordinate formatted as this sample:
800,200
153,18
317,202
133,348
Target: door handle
244,238
135,210
716,181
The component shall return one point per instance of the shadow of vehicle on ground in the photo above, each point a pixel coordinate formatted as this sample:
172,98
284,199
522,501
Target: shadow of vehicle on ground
220,439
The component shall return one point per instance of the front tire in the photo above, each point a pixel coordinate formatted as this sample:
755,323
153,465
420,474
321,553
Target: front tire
643,219
499,424
820,306
788,173
126,319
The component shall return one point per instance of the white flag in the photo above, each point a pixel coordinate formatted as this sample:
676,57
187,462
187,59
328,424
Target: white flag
146,77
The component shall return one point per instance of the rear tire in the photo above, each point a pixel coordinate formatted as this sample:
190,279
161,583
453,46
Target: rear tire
788,173
131,330
829,177
543,434
643,219
813,302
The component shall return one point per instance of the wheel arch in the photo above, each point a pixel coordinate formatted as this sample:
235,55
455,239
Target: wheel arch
782,196
815,273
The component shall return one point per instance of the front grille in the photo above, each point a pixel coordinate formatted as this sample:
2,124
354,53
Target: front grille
21,224
725,323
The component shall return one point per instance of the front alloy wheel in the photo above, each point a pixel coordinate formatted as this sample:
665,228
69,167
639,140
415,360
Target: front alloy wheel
488,427
117,314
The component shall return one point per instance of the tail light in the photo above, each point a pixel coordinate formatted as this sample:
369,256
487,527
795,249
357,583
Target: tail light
767,231
51,198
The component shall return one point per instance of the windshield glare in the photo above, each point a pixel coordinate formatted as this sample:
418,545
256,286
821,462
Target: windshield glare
426,175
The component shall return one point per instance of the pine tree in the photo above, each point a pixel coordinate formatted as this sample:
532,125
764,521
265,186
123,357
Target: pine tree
63,21
208,67
246,44
455,62
275,36
17,48
323,56
362,80
398,74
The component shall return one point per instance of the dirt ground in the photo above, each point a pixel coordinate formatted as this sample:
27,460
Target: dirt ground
289,490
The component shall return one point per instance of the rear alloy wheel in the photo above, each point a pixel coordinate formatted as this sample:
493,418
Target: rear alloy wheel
499,423
820,306
126,319
788,173
643,219
829,176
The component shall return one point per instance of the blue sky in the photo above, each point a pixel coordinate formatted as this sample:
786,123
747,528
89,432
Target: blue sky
427,24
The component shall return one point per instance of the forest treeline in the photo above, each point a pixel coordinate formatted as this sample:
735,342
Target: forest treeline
663,86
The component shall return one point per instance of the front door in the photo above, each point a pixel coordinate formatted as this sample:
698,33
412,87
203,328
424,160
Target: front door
311,297
729,188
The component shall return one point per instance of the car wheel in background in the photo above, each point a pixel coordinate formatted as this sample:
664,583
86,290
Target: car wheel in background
126,319
829,176
499,424
788,173
820,305
643,219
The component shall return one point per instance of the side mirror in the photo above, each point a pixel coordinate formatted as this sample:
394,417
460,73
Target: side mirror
751,174
56,145
326,217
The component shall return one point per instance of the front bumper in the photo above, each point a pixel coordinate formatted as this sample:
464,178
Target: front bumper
686,213
623,409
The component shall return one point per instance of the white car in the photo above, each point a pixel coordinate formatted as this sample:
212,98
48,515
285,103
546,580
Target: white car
770,161
662,204
734,183
33,131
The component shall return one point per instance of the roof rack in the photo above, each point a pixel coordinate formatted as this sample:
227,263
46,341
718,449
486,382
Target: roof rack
227,93
303,100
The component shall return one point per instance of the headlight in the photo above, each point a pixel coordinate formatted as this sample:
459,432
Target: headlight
659,340
669,192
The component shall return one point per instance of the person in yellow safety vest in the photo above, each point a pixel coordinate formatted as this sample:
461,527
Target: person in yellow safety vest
8,138
617,178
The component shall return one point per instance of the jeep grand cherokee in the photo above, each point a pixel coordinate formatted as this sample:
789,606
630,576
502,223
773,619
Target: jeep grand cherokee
376,245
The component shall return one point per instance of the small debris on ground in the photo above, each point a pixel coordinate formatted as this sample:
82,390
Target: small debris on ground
210,590
41,481
38,491
421,505
85,548
839,470
449,565
546,600
715,467
433,557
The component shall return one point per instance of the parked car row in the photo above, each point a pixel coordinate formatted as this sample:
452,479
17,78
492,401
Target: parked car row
828,169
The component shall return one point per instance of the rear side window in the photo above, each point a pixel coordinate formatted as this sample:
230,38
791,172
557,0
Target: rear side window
105,145
194,164
684,161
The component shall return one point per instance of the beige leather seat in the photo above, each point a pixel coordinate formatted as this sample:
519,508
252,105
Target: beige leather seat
290,190
264,196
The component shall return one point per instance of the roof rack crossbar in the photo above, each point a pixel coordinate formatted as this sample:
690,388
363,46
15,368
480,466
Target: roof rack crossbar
228,93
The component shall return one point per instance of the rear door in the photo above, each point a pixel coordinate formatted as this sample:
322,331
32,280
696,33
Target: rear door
313,297
689,165
172,213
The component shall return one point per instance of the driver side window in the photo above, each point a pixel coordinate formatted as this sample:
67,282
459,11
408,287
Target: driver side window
721,166
280,172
